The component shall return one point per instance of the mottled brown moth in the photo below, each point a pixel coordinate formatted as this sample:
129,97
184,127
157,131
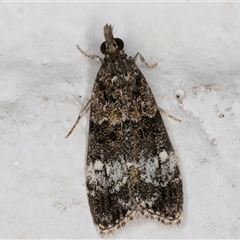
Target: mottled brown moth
131,165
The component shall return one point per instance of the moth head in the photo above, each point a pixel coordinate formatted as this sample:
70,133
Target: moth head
116,44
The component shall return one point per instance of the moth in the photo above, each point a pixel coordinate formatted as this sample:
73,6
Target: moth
131,166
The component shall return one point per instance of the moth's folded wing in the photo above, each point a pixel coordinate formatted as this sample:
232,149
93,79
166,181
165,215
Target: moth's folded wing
106,177
158,190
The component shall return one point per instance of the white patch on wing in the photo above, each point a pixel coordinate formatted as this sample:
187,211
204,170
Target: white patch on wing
112,174
150,166
98,165
163,156
118,175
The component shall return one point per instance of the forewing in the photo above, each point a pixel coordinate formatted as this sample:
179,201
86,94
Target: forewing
106,169
157,187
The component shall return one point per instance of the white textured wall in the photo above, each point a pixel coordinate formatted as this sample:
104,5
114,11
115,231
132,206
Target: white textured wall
42,76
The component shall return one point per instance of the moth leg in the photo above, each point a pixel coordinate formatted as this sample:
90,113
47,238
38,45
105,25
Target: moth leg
168,115
90,56
79,117
143,60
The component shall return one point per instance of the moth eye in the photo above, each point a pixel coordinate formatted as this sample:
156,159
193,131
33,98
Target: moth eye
119,42
103,48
